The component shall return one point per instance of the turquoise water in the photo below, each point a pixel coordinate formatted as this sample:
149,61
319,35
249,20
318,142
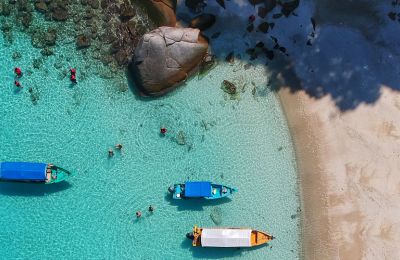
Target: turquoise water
242,142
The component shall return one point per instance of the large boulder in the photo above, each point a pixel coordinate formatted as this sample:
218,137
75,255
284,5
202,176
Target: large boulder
165,57
162,12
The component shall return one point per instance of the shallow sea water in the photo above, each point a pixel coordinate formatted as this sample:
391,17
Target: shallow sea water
244,143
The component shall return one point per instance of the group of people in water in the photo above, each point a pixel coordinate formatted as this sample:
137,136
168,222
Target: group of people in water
118,147
18,75
151,210
111,151
72,76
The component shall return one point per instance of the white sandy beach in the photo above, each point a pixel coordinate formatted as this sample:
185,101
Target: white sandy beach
346,128
349,165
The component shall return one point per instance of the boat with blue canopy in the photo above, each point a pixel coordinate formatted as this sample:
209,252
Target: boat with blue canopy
32,172
200,189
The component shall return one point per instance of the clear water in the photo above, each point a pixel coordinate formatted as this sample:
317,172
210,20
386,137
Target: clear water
244,143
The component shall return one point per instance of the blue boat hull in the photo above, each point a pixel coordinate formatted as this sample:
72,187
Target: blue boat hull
218,191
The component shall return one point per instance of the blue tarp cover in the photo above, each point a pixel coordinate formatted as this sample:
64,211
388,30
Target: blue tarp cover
23,171
198,189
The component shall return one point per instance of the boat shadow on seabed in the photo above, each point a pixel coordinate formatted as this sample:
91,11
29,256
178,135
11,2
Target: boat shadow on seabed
216,253
194,204
29,189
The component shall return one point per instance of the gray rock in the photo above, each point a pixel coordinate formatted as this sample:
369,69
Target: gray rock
165,57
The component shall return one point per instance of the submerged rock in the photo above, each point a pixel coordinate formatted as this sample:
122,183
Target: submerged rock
41,6
126,11
208,62
256,2
47,51
269,5
164,57
263,27
94,4
202,21
16,55
34,95
59,13
229,87
216,215
82,41
230,57
50,37
221,3
26,19
181,139
162,12
288,6
195,6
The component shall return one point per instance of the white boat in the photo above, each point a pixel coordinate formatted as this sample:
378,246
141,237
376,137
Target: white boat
228,237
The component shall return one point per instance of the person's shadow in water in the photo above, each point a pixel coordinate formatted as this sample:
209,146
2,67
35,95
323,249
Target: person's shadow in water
31,189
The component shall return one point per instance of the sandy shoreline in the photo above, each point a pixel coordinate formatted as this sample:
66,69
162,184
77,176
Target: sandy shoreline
349,170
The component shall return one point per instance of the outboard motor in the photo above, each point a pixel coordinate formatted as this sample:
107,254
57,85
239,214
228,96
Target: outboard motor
171,189
190,235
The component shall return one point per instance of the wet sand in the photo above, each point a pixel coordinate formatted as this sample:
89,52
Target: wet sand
349,169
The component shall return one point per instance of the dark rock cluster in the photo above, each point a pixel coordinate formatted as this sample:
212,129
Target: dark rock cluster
57,10
110,29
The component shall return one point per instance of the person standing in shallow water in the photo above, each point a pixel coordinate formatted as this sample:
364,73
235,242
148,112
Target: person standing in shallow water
151,209
110,153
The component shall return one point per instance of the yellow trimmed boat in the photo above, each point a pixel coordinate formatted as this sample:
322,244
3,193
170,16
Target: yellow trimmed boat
228,237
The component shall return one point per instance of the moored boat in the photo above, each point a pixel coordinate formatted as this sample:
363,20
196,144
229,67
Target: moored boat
228,237
200,189
32,172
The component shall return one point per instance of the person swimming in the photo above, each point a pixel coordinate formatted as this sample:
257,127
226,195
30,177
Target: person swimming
18,71
163,130
118,146
110,153
17,84
138,214
151,209
73,78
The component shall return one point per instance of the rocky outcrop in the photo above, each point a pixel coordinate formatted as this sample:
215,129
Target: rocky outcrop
162,12
165,56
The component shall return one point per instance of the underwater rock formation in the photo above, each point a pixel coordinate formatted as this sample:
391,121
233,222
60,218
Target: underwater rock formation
165,56
161,12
